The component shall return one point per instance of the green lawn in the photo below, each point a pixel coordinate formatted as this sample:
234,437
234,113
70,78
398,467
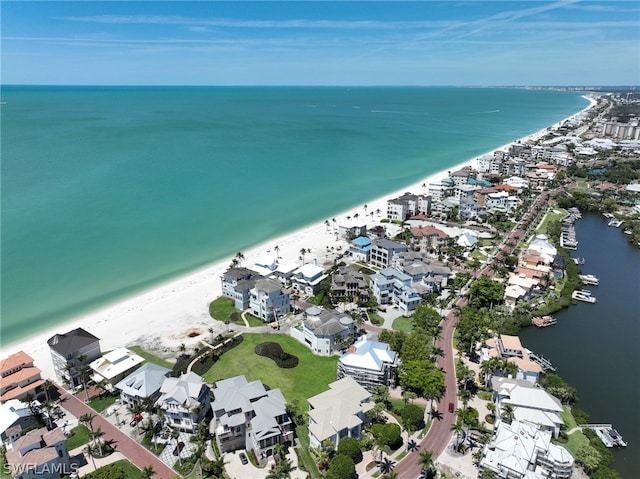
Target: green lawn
79,437
254,321
310,377
99,404
222,308
577,439
150,357
304,456
122,468
550,216
403,324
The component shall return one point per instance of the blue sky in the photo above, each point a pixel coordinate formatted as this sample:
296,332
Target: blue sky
563,42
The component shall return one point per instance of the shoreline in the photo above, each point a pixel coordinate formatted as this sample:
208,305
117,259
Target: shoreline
161,317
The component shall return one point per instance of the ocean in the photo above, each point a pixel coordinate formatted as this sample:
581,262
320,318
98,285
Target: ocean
107,191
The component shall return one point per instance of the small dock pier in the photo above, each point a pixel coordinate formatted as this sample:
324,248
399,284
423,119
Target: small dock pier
568,233
545,364
607,434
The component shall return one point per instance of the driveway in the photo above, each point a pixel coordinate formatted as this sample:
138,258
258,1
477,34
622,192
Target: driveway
167,455
133,451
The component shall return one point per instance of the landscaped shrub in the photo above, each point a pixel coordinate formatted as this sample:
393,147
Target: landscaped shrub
274,351
350,446
207,361
412,417
342,467
387,434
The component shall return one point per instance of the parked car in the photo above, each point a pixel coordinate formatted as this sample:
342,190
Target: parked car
179,447
136,419
243,459
451,407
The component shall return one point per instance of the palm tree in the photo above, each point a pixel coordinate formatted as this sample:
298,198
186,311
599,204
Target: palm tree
386,465
89,452
390,475
240,257
508,413
135,410
148,472
95,436
412,446
426,461
303,251
276,248
458,428
87,419
47,386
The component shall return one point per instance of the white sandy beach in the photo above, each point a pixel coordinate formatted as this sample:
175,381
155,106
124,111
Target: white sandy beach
162,317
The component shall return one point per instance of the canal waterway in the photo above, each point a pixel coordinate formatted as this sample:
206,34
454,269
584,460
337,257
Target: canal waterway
596,347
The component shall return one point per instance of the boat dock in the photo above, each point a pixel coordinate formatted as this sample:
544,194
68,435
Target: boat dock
607,434
544,321
545,364
568,233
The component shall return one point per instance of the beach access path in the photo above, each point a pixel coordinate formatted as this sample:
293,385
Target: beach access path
128,447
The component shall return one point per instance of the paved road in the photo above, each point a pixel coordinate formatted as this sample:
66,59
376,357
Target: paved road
133,451
439,433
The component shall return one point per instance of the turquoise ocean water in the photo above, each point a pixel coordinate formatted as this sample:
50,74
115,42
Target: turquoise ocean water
107,191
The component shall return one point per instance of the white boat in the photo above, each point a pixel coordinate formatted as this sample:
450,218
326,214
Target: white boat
583,295
615,222
588,279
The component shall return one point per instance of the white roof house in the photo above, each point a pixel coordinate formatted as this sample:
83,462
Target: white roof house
520,450
308,278
468,239
115,365
247,416
542,245
338,412
144,382
185,400
370,363
530,403
15,413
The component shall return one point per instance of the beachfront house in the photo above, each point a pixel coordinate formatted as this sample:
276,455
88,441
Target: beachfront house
19,377
114,366
184,401
143,383
461,176
370,364
269,300
530,403
360,248
237,284
350,228
307,278
39,454
248,416
407,205
71,353
15,416
522,451
323,331
338,413
383,250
